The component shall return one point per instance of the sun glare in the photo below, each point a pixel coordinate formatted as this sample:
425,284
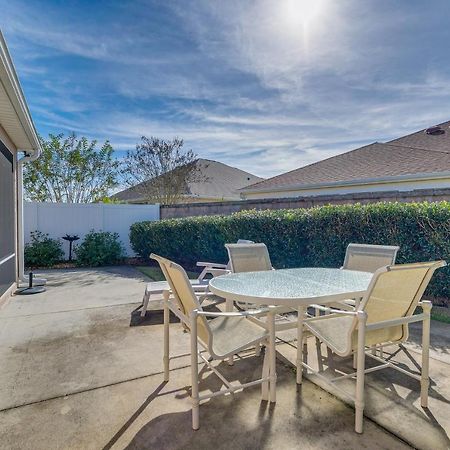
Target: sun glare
302,12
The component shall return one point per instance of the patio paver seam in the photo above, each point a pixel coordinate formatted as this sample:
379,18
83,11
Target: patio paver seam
67,310
82,391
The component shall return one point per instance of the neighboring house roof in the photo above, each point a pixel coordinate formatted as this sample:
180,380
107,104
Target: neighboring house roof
415,155
219,181
15,117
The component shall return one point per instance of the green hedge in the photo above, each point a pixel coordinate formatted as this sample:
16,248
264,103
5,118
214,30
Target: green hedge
308,237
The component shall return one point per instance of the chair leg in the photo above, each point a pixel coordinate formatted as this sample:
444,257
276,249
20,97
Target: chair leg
258,349
424,378
317,314
166,336
194,374
273,356
319,356
305,355
145,301
301,311
360,369
265,374
228,308
330,359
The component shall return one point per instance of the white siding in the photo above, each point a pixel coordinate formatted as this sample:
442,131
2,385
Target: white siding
408,185
58,219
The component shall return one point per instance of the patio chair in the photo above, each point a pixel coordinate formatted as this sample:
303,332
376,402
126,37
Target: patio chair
248,258
256,258
216,269
380,320
154,290
225,334
367,258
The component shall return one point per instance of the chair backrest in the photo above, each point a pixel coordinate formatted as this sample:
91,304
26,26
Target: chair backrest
248,257
184,294
239,241
369,258
393,293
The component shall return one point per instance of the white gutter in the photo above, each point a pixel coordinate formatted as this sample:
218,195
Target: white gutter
364,181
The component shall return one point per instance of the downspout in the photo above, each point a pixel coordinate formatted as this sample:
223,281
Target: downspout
20,216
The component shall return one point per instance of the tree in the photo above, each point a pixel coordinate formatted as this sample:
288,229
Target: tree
71,170
160,170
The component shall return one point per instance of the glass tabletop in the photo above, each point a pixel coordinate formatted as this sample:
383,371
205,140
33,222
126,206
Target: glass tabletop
287,286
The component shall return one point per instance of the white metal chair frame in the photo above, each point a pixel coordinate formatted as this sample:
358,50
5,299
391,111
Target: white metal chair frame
362,328
155,289
173,303
216,269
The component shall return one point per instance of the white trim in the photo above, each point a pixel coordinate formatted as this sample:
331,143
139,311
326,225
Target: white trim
17,99
7,258
7,295
363,181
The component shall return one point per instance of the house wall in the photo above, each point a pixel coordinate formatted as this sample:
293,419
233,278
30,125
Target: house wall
8,219
225,208
58,219
403,186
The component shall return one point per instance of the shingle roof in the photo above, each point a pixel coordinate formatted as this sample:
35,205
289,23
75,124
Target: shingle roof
220,182
417,153
420,139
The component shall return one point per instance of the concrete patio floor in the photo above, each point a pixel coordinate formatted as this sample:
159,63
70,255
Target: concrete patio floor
81,370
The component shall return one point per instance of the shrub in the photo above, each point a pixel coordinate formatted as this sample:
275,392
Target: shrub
308,237
42,251
99,249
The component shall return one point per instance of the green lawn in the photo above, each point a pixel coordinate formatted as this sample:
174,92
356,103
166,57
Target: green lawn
154,272
435,315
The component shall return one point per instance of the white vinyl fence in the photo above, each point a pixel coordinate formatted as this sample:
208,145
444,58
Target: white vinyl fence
58,219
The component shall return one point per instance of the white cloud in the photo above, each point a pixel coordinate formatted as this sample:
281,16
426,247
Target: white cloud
239,81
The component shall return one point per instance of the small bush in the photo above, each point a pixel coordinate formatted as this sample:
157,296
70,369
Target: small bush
315,237
42,251
99,249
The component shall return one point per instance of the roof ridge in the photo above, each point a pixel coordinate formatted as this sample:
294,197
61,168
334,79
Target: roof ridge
447,122
418,148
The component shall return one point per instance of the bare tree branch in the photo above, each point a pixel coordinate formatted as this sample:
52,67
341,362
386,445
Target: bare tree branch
160,171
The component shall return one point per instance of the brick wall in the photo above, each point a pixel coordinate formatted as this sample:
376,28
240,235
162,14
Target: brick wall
225,208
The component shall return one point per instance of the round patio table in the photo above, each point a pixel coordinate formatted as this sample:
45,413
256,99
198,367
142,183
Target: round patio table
291,287
296,288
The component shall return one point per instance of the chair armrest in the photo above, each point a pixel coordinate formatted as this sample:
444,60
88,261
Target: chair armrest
211,265
218,272
334,311
252,312
200,288
393,322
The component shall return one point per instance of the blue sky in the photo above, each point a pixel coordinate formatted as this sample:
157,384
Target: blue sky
266,86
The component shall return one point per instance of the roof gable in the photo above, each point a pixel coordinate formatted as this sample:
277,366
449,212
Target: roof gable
220,181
